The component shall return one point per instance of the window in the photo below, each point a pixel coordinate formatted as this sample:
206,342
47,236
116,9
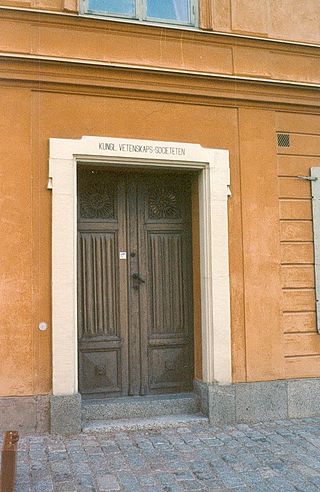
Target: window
167,11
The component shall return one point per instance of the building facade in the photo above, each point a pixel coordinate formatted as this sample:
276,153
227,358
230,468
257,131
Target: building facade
159,206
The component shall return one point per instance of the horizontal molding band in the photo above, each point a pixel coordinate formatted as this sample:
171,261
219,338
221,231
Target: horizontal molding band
158,70
163,26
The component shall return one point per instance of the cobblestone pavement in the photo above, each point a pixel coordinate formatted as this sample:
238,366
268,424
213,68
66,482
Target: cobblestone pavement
280,456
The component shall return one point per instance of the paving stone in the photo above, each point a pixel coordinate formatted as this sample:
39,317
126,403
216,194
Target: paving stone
60,467
173,488
270,456
183,476
315,480
57,455
128,479
68,486
84,481
213,441
191,485
152,488
107,483
23,488
227,475
78,455
111,448
37,475
280,484
43,486
166,478
81,468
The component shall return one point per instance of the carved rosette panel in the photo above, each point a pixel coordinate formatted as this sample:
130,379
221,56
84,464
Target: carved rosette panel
96,195
164,203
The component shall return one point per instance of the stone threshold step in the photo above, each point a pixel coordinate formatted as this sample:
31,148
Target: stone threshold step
139,407
145,423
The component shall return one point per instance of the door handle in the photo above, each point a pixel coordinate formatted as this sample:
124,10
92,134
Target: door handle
137,278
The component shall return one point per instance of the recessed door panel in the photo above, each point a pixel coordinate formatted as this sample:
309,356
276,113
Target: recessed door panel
98,294
165,262
170,367
100,371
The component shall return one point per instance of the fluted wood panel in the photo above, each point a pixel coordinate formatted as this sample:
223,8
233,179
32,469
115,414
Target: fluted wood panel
166,271
97,280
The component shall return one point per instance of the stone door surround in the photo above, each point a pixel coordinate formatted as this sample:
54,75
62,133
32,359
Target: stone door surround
213,170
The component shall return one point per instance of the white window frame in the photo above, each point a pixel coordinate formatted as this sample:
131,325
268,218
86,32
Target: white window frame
141,14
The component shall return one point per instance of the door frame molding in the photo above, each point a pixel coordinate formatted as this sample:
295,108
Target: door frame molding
214,181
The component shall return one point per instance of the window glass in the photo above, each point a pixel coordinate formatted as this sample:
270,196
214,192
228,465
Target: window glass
175,10
117,7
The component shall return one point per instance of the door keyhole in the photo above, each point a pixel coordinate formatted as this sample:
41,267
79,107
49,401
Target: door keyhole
137,280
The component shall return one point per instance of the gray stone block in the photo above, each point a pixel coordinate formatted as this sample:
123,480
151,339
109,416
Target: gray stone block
18,413
201,390
221,404
65,414
304,398
24,414
107,482
43,414
257,402
122,425
139,407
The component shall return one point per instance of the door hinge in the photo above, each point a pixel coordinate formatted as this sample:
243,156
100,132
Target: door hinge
308,178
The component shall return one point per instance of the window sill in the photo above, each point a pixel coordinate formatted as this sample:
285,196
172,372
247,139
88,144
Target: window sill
124,20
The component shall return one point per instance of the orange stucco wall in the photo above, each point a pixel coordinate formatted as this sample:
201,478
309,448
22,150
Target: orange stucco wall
31,34
27,271
63,99
249,134
278,19
299,326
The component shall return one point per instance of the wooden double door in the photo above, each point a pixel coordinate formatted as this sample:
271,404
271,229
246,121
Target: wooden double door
135,321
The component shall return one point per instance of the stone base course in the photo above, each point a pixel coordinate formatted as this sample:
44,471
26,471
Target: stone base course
304,398
260,402
25,414
229,404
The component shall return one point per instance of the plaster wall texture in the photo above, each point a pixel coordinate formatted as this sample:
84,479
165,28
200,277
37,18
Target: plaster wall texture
258,350
99,41
282,19
271,339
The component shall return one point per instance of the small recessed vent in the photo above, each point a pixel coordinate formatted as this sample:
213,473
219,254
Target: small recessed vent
283,140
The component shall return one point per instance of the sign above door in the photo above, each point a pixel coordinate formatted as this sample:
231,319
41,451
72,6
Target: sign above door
133,149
